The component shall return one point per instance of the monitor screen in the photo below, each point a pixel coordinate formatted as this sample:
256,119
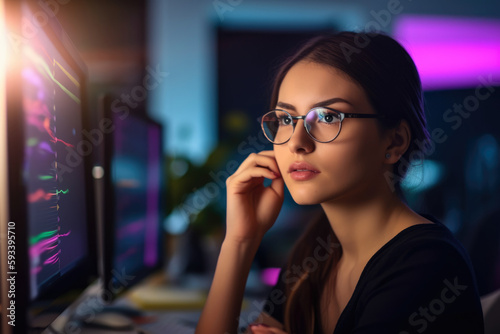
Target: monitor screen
57,215
49,188
132,209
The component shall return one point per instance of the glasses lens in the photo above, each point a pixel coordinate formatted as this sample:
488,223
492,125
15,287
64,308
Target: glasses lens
323,124
277,126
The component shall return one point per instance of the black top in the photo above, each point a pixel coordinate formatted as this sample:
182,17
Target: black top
421,281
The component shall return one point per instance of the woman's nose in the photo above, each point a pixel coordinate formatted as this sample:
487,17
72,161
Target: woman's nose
301,142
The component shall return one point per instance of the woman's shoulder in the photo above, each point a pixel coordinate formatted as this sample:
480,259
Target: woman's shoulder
429,234
424,267
429,246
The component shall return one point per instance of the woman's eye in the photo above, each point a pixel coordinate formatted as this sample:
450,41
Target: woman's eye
285,120
328,118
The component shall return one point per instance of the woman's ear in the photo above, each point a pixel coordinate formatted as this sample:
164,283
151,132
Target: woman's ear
398,142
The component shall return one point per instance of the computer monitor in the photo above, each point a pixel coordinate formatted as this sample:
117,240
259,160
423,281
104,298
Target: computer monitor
46,208
133,183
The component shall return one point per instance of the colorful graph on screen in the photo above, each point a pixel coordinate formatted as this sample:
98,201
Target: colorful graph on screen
56,207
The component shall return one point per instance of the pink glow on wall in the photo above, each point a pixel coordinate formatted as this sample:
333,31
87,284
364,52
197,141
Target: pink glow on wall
451,52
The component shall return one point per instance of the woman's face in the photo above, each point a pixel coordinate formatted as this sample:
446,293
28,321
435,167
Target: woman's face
344,169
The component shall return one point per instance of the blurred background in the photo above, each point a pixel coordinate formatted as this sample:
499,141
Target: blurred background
204,70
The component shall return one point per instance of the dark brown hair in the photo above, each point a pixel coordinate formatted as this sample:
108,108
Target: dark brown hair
386,72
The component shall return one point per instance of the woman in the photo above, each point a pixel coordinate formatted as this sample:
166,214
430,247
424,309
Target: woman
346,122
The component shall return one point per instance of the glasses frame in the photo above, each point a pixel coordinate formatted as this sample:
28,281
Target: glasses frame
342,115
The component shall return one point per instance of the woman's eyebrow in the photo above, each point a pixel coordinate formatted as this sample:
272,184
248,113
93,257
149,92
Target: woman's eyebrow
285,105
330,101
324,103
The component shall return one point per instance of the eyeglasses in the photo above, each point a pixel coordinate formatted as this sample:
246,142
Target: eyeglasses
323,124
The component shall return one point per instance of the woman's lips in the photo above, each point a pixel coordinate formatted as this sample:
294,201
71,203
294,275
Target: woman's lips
302,171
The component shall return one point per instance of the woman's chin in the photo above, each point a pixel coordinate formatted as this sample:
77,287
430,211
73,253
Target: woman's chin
307,197
305,200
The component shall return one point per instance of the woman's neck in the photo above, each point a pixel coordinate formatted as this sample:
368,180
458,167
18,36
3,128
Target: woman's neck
364,227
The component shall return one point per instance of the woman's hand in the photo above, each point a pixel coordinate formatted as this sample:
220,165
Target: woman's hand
252,208
264,329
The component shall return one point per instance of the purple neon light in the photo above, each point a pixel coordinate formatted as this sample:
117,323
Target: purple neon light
269,276
451,52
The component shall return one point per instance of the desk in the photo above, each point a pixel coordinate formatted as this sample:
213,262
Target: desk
166,311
